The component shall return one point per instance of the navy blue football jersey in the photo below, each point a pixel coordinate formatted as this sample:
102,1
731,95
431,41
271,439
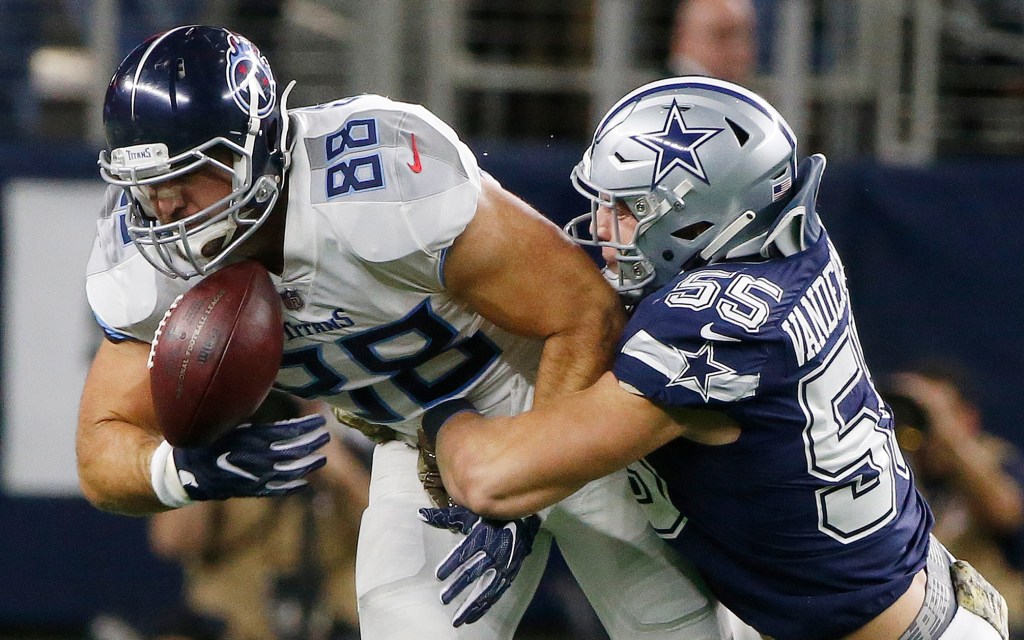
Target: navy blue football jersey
809,525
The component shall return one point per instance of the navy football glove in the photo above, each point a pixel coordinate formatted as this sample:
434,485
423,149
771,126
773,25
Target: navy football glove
490,556
253,459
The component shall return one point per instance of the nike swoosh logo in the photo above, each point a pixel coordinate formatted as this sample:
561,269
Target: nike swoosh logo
415,165
222,462
187,479
708,333
512,546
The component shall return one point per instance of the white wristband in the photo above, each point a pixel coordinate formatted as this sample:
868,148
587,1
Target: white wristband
163,475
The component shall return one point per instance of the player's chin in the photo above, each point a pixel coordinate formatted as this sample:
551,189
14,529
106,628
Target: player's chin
610,259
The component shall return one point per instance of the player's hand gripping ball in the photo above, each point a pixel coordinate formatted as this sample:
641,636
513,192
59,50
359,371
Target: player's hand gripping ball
215,354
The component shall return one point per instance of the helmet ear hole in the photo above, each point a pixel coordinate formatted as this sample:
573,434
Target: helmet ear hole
691,231
742,135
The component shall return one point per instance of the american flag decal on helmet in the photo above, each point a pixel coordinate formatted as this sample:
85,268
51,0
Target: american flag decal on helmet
781,188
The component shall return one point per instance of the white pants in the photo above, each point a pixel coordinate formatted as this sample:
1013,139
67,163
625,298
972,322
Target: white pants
639,587
967,625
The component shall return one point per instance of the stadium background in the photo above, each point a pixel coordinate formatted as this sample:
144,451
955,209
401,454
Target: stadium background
919,105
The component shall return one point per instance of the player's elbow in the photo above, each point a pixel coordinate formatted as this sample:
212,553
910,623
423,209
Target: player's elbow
89,480
606,314
104,489
95,494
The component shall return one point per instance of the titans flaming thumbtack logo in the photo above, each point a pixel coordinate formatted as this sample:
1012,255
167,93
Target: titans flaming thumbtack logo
249,77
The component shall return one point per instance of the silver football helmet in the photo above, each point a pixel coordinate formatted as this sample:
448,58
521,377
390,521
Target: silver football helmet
705,166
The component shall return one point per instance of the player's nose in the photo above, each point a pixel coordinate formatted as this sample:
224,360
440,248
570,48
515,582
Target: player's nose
168,202
603,223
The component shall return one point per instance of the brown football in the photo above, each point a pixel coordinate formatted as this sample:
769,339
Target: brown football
215,354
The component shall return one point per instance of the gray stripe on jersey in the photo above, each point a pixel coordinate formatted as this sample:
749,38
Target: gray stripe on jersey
351,174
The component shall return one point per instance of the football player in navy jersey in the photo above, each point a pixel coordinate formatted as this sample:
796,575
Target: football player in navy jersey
739,399
404,284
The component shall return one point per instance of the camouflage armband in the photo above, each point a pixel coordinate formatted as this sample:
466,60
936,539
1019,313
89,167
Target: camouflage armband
429,473
376,432
976,594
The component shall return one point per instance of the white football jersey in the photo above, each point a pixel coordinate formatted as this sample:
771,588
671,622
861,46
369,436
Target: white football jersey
377,192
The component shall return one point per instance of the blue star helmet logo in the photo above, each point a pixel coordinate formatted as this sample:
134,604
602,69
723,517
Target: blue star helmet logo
676,145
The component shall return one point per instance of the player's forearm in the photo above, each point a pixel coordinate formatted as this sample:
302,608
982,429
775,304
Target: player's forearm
114,467
508,467
491,473
117,431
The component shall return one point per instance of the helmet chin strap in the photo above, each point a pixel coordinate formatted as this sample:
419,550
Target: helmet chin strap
286,148
198,240
243,166
226,229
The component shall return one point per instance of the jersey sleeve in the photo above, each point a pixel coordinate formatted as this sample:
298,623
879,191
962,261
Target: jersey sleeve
685,349
393,178
127,295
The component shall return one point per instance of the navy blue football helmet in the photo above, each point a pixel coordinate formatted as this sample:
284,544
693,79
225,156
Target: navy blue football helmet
188,98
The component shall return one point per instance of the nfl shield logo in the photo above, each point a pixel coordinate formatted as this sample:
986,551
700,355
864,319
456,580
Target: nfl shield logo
292,300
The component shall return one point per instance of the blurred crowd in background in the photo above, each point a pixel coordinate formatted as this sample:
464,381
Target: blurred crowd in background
903,80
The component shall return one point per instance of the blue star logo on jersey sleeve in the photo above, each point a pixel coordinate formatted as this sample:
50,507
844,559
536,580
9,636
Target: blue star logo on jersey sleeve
676,145
698,372
698,369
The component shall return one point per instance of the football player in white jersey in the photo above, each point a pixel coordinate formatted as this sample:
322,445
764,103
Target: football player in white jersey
739,397
408,278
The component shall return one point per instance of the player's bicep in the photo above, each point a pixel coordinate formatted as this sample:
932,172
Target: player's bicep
520,271
117,387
